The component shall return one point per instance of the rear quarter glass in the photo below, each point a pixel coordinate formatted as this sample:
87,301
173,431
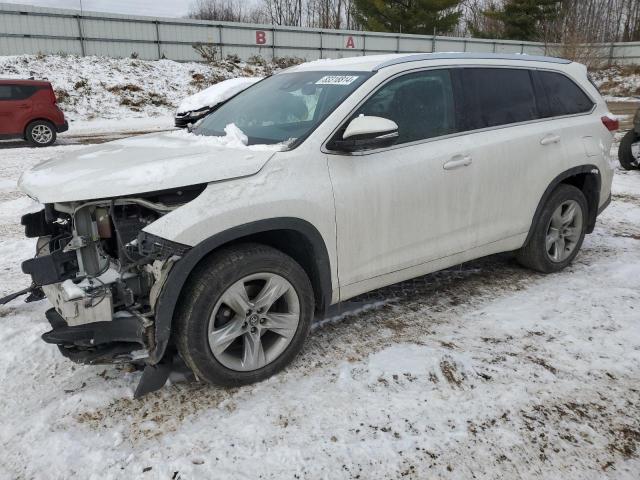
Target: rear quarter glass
23,92
565,97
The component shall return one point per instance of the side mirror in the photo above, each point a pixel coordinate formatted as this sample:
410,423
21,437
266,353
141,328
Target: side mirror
364,133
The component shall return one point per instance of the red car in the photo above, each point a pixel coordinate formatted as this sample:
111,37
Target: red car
28,109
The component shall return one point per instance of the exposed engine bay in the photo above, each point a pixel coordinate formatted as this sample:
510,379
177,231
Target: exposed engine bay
102,273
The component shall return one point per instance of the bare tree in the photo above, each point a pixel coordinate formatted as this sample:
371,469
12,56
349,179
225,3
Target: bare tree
332,14
225,10
474,22
284,12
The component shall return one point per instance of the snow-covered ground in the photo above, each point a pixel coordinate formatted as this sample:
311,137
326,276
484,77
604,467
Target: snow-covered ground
485,370
618,83
111,126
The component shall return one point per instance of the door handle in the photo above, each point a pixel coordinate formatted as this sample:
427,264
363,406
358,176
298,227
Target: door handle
22,106
549,139
458,161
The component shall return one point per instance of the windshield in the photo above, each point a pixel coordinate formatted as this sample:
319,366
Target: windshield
283,108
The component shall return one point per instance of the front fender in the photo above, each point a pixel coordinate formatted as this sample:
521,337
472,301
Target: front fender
170,294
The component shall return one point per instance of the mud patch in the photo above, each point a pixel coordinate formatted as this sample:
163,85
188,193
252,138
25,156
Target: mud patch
544,364
451,372
627,440
627,198
157,413
633,236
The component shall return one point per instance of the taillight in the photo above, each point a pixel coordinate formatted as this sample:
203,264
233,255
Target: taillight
53,96
612,124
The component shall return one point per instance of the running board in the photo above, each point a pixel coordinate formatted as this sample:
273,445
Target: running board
343,309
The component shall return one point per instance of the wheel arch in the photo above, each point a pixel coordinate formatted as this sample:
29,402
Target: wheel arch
586,178
293,236
36,119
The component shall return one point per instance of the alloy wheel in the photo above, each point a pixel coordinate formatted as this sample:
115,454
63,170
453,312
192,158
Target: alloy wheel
41,134
254,321
564,231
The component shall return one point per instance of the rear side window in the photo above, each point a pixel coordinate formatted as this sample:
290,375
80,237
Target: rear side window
563,95
421,103
498,96
16,92
5,92
22,92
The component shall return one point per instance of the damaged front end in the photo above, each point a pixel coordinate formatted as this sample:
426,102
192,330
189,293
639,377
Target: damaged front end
103,274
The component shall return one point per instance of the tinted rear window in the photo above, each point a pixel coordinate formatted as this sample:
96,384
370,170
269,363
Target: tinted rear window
498,96
16,92
564,96
5,92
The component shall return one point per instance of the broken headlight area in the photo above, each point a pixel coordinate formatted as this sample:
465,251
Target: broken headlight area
102,273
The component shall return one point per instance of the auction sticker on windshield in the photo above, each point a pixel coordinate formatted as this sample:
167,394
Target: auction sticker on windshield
337,80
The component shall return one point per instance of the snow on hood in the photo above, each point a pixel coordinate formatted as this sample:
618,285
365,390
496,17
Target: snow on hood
146,163
216,94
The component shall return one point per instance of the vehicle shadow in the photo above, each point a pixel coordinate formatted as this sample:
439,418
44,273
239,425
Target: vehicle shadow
6,144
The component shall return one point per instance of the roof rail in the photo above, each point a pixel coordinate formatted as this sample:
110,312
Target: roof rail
470,56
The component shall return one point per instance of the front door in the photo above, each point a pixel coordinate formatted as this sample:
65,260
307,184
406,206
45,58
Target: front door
401,207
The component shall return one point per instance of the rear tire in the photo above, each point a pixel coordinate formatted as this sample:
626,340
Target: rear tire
244,315
40,133
625,154
558,233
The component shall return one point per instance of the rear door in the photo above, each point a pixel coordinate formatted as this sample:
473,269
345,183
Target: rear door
567,110
514,151
15,108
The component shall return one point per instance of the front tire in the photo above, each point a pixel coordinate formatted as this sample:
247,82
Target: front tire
244,316
558,233
40,133
629,151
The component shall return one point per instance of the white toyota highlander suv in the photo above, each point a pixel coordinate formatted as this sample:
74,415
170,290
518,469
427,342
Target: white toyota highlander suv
312,186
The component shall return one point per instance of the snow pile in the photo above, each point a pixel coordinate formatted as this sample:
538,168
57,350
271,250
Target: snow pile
110,88
234,138
216,94
621,83
182,140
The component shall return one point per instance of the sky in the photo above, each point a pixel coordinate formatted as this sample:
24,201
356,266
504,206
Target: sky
156,8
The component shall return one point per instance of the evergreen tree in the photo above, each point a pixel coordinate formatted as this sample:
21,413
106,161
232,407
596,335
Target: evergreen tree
408,16
525,19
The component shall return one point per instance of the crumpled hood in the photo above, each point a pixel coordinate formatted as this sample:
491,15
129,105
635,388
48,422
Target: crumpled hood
141,164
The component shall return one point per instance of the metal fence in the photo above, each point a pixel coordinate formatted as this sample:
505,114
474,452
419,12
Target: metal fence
33,30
